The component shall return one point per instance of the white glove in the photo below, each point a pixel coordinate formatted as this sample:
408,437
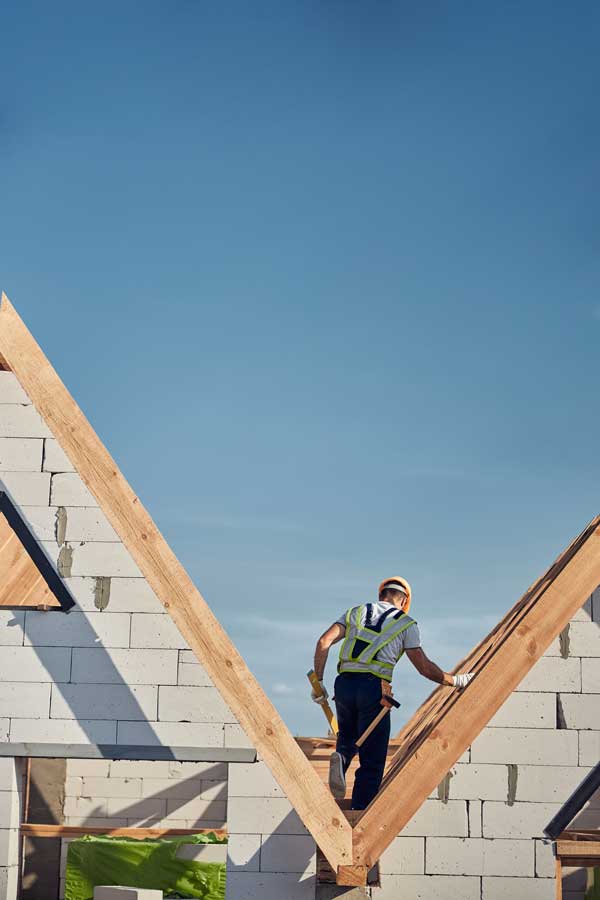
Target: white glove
320,698
461,681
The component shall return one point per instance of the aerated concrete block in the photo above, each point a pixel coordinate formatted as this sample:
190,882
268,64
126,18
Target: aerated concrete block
288,853
404,856
27,488
112,701
235,736
517,888
78,629
103,559
23,700
255,815
11,390
437,819
126,893
533,746
192,704
429,887
21,454
155,632
57,731
42,664
547,784
133,595
22,422
12,627
252,780
9,880
267,886
553,673
521,820
475,815
590,676
584,639
526,709
94,786
243,853
545,864
84,523
41,521
589,748
479,782
101,665
580,711
171,734
9,846
69,490
474,856
55,458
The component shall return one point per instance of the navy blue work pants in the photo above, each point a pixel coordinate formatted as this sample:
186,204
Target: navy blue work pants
358,701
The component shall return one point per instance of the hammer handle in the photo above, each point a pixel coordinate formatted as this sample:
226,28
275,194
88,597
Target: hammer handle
380,715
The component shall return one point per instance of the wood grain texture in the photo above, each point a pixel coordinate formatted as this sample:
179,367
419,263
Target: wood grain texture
21,582
173,586
54,831
449,721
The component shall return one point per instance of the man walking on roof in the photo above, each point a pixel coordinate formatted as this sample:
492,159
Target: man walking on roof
375,636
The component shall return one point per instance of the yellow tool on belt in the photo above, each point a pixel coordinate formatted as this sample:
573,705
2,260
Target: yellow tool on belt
329,713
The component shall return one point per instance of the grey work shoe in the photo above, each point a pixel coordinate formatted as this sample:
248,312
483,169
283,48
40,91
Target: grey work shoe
337,779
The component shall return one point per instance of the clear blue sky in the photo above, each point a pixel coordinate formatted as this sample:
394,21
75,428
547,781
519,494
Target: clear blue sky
325,277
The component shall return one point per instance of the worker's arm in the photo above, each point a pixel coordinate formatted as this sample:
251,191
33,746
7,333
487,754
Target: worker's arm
327,639
428,669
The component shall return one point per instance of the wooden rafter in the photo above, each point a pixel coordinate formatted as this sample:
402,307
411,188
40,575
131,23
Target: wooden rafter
449,720
174,588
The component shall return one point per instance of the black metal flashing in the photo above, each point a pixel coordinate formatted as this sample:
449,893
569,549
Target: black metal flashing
576,802
37,555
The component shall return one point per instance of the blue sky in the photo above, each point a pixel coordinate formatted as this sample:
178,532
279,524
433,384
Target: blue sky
325,278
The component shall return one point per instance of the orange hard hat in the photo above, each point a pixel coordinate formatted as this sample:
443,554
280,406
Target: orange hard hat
402,584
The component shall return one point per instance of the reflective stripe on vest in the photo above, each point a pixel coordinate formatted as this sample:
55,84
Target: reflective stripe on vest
362,644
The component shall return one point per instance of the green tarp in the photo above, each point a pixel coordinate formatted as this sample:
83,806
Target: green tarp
151,863
593,884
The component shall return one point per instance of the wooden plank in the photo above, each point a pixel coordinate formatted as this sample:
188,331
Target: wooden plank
559,891
173,586
578,848
21,582
499,667
65,831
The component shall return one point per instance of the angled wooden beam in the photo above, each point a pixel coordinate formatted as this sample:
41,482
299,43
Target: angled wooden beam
452,719
175,589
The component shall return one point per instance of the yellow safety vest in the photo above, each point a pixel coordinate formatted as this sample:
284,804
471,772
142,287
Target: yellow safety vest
363,643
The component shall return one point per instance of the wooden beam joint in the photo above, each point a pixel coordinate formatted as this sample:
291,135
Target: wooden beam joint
352,876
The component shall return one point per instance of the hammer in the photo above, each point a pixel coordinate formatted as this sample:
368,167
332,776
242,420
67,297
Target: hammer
387,702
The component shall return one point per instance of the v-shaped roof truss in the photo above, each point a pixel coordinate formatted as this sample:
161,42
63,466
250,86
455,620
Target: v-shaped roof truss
441,729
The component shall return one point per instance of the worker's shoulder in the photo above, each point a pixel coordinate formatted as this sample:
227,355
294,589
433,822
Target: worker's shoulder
407,620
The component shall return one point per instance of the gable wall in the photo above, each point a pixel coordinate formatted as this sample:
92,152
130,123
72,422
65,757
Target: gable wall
115,669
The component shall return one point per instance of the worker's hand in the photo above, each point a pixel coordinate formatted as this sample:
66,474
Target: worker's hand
386,691
461,681
319,698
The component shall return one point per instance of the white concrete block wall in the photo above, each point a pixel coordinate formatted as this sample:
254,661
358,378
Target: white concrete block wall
115,669
11,810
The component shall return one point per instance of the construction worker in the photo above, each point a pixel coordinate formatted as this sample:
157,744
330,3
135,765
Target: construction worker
376,636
